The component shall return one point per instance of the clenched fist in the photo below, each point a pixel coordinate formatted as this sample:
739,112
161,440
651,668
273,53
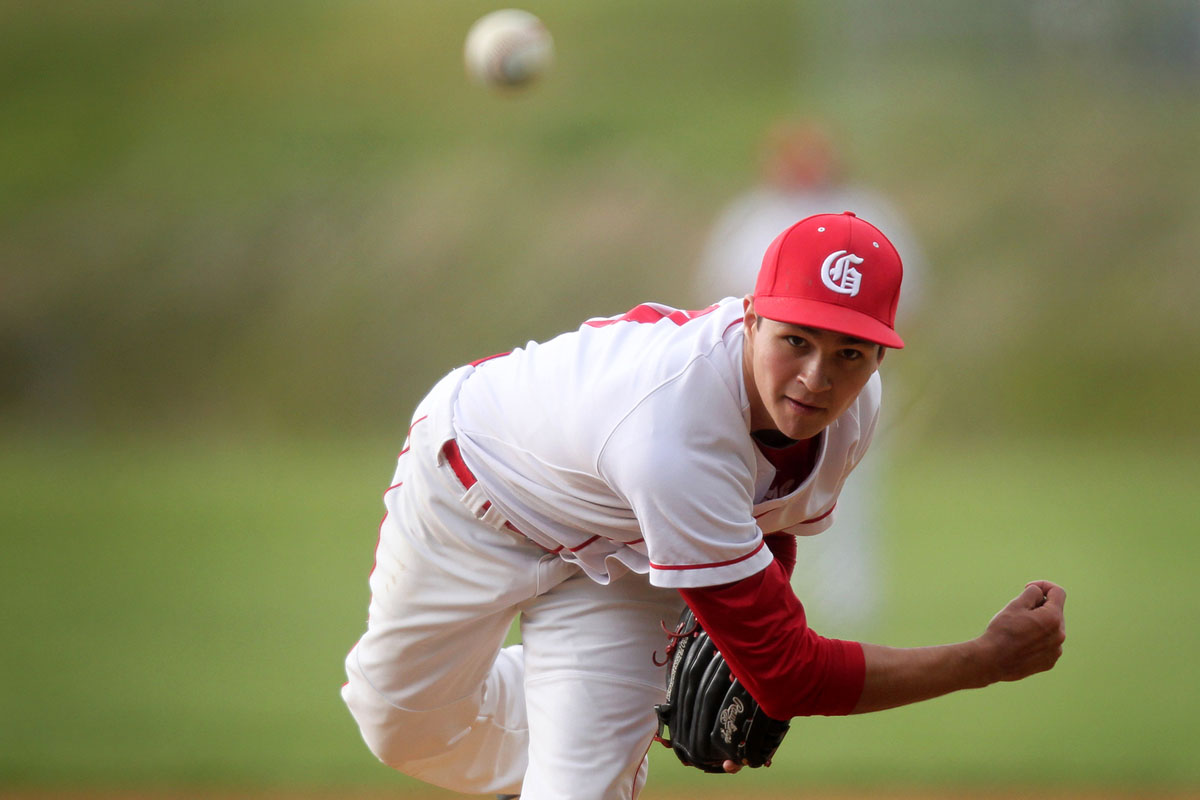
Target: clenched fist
1027,635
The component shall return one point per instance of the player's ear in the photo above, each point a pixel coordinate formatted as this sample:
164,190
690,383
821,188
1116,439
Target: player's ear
882,352
749,318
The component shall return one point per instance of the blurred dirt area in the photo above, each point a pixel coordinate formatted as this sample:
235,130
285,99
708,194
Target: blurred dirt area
940,793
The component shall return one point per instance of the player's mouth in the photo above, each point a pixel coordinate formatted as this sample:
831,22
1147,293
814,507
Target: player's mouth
802,408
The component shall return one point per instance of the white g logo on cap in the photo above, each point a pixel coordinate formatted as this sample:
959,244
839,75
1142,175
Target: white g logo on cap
838,272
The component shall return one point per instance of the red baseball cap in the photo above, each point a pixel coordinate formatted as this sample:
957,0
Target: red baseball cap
836,272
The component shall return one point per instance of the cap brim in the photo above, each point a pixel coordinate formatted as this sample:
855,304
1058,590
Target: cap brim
827,316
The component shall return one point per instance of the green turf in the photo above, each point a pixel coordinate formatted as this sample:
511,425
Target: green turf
178,612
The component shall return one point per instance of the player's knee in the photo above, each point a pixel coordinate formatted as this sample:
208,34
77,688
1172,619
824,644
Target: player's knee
386,744
398,736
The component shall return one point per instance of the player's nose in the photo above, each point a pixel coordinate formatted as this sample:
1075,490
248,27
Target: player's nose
814,374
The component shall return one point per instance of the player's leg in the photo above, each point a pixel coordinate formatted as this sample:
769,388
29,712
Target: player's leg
591,684
432,693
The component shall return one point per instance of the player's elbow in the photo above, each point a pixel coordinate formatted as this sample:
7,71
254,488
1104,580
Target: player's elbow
811,703
775,709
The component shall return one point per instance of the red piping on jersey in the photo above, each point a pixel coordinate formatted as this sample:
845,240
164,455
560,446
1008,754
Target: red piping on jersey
707,566
410,429
579,547
648,313
378,540
379,533
817,518
479,361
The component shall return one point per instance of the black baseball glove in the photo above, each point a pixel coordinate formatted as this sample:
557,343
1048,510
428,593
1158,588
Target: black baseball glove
709,716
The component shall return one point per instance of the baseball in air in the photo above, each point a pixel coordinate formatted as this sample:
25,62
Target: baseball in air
508,48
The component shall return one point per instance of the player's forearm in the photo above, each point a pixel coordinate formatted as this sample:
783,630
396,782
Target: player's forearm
1025,638
900,676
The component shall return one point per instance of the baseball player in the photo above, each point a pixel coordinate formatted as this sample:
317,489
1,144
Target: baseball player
597,482
803,172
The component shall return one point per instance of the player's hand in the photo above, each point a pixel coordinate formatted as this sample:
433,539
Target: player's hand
1027,636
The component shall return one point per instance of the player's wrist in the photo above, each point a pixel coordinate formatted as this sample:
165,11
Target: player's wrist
979,663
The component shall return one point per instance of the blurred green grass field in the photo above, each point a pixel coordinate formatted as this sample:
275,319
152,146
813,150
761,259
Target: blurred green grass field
281,215
177,615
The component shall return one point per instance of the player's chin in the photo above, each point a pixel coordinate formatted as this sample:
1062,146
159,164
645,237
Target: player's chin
802,422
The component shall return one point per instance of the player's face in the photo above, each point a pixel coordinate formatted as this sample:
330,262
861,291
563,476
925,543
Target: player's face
801,379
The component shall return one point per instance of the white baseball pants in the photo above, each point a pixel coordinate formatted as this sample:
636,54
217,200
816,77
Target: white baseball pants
567,714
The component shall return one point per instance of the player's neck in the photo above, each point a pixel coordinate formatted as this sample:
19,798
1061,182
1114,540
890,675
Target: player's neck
769,437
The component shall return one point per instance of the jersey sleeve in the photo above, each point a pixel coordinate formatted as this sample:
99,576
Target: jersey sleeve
684,463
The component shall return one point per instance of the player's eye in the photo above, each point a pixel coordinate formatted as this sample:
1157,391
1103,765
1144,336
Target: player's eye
850,354
795,341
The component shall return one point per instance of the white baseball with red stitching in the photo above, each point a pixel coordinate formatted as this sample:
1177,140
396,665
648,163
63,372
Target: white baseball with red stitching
508,47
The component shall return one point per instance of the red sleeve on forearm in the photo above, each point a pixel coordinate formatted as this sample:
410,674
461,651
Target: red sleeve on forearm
758,624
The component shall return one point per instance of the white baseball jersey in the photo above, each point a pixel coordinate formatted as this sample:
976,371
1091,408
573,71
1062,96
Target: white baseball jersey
625,445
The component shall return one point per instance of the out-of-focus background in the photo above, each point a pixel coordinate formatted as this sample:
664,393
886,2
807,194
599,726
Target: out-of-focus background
238,240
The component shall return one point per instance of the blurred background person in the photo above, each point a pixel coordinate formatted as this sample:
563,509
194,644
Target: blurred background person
803,174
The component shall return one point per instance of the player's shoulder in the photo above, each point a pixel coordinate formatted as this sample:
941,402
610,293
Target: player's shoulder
869,400
689,366
665,317
686,404
872,394
654,337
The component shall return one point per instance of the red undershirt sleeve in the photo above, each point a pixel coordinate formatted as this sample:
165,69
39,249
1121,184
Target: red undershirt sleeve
758,624
783,547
